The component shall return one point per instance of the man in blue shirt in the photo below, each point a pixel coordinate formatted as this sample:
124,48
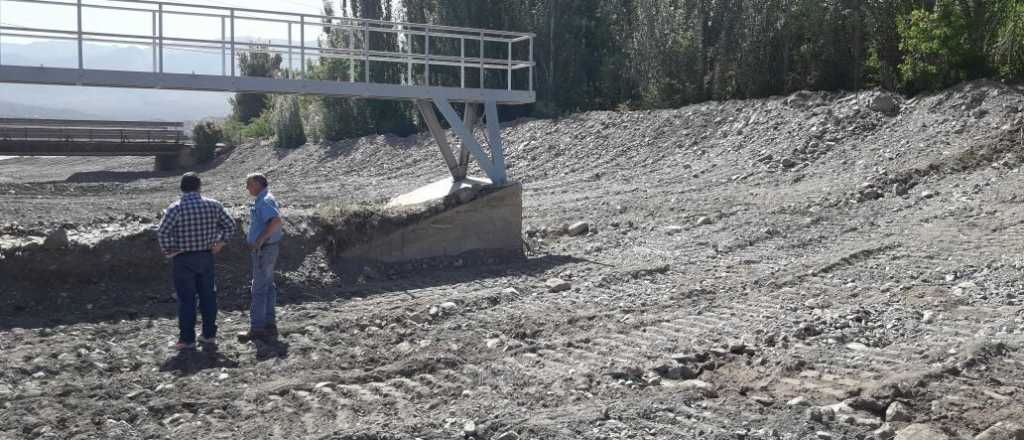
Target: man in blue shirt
265,233
192,230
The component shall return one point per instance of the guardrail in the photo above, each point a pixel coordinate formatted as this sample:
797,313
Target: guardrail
409,45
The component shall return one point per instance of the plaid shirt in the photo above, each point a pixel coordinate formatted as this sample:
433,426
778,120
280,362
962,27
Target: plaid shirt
194,223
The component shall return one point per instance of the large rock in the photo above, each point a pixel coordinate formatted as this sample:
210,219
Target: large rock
898,412
578,228
884,103
921,431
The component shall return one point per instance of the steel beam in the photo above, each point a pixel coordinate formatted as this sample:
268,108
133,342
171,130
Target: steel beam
184,81
427,111
470,119
468,140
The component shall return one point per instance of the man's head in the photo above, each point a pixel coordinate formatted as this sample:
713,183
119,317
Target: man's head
190,183
256,183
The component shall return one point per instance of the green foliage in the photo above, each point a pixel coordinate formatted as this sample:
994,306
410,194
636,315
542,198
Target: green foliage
936,49
287,120
259,128
261,62
205,136
1007,52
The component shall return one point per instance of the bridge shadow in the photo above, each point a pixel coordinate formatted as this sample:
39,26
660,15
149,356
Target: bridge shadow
107,176
23,306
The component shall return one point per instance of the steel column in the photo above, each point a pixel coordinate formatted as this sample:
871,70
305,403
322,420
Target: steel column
494,140
81,64
232,43
160,38
302,46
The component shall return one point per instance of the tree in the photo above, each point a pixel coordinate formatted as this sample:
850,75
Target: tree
936,47
287,120
258,61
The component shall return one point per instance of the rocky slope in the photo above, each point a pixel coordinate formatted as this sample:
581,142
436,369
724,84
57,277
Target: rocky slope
840,266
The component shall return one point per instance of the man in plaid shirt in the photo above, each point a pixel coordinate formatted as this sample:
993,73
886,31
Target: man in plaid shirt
192,231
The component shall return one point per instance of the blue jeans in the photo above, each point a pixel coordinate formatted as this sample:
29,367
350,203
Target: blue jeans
194,277
264,292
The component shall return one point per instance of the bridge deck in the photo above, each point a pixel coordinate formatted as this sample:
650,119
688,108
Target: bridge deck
424,62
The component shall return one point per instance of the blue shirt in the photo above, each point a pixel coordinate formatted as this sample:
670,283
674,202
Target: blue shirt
194,223
264,209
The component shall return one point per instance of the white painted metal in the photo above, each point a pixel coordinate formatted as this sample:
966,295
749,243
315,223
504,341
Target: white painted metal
230,80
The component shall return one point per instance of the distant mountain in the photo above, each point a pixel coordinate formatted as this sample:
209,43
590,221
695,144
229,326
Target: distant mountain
18,110
109,103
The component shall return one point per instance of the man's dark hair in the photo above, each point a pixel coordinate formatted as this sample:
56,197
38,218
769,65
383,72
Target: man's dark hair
258,178
190,182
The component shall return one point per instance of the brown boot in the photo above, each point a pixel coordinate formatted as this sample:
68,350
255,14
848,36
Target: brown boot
254,333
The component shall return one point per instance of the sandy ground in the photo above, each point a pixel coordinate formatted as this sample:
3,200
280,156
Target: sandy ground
801,267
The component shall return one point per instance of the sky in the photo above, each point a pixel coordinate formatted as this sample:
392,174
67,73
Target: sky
17,13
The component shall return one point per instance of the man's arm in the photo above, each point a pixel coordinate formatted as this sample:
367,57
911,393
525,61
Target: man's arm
272,226
165,233
226,225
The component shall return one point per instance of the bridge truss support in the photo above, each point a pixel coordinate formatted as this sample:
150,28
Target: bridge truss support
492,163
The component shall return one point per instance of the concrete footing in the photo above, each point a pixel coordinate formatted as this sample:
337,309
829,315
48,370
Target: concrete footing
488,220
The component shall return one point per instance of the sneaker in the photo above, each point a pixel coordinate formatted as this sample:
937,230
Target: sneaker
207,341
182,346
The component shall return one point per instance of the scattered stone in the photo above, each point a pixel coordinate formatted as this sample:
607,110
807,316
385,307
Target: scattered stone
704,388
673,230
886,432
675,372
1002,431
493,343
920,431
823,435
625,373
556,285
898,412
578,228
928,194
703,221
449,306
788,162
223,376
798,401
689,358
469,428
763,400
508,435
928,316
856,346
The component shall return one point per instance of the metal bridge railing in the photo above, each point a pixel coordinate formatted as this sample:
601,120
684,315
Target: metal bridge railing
412,46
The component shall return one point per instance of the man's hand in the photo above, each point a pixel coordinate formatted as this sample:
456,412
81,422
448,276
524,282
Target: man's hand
217,247
256,246
171,254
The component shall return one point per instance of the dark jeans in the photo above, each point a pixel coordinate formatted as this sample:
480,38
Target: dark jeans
194,277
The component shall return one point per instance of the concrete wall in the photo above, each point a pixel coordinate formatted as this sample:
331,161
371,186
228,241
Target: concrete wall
491,222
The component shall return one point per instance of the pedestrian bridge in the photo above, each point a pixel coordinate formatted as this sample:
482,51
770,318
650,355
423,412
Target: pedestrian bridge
434,66
166,141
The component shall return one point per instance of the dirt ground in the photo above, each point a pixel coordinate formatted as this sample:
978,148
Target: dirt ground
817,266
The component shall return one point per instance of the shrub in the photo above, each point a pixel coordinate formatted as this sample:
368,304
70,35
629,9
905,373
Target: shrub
205,135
